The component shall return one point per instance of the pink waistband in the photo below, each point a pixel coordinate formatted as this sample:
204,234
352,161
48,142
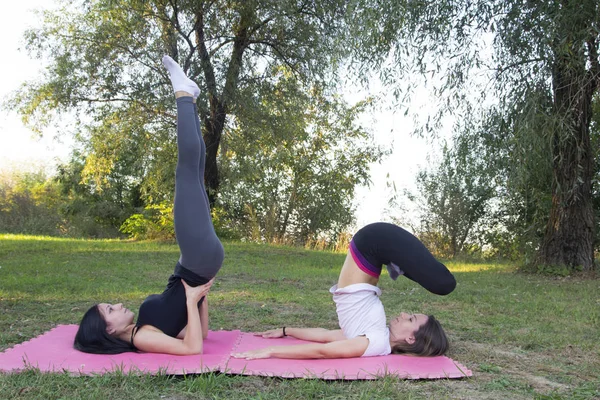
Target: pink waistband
360,265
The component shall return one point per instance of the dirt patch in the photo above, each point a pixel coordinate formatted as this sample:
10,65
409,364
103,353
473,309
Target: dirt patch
542,384
529,368
488,351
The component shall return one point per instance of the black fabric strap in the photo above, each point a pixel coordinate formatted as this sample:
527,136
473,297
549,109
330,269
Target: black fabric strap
133,332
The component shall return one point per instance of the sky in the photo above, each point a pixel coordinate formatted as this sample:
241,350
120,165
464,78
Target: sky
22,149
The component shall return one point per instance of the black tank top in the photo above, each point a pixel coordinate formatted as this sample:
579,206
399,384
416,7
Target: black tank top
168,311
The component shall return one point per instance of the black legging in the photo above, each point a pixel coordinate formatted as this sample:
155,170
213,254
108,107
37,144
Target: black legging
201,250
382,243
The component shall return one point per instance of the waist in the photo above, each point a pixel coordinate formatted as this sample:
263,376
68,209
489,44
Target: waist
190,277
351,274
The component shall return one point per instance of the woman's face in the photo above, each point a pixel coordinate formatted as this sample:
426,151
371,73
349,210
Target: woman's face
116,316
404,326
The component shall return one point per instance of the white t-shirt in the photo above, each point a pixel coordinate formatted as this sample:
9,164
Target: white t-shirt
360,312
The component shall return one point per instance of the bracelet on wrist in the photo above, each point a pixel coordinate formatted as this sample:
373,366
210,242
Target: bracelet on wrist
284,331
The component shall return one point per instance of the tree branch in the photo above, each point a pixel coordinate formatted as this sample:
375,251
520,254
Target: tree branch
220,46
502,69
279,52
592,44
205,60
240,43
136,57
177,25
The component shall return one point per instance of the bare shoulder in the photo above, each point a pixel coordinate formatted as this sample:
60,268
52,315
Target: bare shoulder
146,334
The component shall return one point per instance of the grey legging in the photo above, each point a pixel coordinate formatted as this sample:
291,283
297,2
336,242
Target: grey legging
201,250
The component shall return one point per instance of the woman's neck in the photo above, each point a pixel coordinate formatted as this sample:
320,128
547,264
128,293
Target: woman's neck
125,334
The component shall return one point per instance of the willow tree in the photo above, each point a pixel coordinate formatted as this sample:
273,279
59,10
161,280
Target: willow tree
539,73
103,64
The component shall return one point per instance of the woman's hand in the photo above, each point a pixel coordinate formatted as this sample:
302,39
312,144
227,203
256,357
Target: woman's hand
196,293
271,333
254,354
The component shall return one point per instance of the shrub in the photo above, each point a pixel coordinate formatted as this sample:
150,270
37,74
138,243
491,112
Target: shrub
155,222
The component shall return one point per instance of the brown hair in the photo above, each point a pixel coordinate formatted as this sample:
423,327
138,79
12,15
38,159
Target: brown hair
430,340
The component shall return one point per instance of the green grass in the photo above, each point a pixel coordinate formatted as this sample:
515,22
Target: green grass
524,336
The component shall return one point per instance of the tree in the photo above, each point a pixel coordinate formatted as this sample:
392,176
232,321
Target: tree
456,193
522,165
29,203
293,161
91,212
545,74
104,66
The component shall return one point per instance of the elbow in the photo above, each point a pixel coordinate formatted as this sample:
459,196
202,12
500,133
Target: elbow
194,349
321,354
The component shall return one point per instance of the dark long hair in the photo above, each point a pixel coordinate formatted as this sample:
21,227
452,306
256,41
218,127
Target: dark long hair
92,336
430,340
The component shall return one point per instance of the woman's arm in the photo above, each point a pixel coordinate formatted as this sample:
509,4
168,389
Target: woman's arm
319,335
203,312
355,347
193,338
155,341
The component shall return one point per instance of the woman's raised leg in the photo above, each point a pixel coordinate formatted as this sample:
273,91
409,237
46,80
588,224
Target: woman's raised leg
201,250
203,156
383,243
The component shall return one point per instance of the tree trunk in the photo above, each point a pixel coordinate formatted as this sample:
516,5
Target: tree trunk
212,137
569,236
214,122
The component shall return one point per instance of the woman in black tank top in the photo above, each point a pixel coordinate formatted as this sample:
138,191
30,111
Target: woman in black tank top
175,321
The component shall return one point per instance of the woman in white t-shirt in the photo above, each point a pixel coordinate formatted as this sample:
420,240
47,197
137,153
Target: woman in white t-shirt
364,330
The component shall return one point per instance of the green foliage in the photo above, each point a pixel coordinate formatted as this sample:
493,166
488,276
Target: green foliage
455,197
520,167
30,203
533,68
62,205
506,245
223,228
156,222
92,212
551,270
292,162
104,66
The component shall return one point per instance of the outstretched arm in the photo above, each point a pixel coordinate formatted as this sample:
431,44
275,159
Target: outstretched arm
347,348
319,335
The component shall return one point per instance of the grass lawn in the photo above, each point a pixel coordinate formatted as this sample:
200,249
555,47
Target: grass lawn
523,336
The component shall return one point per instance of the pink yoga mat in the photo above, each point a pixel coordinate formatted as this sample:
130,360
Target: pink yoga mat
404,367
53,352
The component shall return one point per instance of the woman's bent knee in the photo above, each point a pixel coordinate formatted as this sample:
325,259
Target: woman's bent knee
445,287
